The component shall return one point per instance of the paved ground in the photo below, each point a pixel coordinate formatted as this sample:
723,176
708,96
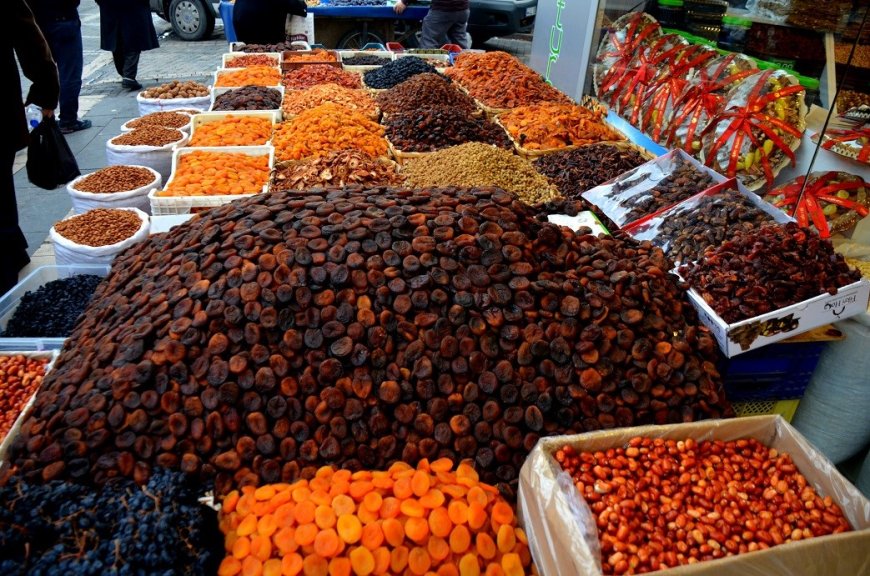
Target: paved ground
108,106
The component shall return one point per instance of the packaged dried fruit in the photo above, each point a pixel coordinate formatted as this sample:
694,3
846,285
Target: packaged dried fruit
830,203
584,501
328,128
685,230
621,42
424,520
541,128
251,76
851,143
704,97
755,137
208,173
651,187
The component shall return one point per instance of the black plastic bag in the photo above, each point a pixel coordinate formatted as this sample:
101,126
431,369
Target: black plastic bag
50,162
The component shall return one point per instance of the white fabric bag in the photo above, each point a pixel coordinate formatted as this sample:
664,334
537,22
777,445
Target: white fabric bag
158,158
300,28
137,198
67,252
149,105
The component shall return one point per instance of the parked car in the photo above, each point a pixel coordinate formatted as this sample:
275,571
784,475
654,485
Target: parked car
190,19
491,18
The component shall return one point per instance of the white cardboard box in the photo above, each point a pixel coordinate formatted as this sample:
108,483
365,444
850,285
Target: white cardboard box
550,507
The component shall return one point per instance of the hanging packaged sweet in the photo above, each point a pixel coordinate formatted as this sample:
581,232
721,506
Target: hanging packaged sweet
660,100
703,98
620,45
625,87
831,202
755,137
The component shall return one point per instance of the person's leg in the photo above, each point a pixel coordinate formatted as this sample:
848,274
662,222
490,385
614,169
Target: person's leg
131,68
457,33
65,41
13,256
435,26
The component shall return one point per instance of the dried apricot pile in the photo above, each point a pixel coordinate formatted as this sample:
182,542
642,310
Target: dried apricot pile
316,55
233,131
202,173
298,101
250,76
498,80
428,520
328,128
246,60
548,126
314,74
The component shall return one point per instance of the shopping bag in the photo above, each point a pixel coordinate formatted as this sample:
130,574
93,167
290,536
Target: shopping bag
50,162
300,28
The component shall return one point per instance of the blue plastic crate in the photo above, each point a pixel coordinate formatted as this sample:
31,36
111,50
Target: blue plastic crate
776,372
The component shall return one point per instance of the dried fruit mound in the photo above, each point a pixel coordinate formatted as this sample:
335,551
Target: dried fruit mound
278,334
314,74
328,128
233,131
336,169
435,127
549,126
426,90
298,101
250,76
424,520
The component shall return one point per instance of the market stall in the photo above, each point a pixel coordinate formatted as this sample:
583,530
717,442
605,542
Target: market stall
368,349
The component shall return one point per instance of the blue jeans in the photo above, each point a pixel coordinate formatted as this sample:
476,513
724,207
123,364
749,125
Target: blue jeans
65,40
440,28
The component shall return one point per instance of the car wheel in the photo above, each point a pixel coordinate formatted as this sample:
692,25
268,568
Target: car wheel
191,19
353,40
478,40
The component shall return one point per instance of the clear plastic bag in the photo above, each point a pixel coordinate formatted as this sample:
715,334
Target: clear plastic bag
775,10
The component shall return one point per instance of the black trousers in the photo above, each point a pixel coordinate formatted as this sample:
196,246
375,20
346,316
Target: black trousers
126,62
13,256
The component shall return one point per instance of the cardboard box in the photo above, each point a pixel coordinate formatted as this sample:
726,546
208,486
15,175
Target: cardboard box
551,509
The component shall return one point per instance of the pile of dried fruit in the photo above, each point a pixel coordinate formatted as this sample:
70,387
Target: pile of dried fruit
400,521
686,230
355,328
100,226
757,271
148,136
548,126
499,80
298,101
328,128
366,60
278,47
396,72
426,90
576,171
20,377
431,128
336,169
477,164
176,89
52,309
248,98
164,119
316,55
202,173
314,74
251,60
707,500
113,179
233,131
250,76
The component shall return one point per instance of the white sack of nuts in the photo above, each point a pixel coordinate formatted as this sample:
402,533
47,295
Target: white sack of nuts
114,187
174,95
156,155
97,236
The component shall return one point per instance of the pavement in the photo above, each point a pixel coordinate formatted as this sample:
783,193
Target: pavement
107,105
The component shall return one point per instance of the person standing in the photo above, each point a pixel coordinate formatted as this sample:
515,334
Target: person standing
62,28
263,21
126,30
24,40
445,23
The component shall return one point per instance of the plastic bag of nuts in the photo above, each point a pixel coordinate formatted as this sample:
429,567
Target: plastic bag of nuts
570,535
97,236
114,187
158,155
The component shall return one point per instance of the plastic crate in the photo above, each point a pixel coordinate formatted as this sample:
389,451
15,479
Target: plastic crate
785,408
779,371
39,277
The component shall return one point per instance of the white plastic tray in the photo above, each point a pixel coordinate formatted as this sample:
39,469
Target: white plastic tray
209,117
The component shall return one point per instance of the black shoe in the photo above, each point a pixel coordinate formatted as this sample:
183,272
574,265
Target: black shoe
130,84
74,127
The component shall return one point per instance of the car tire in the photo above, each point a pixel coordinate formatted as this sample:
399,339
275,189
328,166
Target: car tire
191,19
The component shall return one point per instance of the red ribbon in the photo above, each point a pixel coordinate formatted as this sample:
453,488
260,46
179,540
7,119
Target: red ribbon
808,206
844,137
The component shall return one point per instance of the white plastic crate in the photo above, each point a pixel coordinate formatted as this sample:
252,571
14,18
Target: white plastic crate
210,117
168,205
227,56
215,92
